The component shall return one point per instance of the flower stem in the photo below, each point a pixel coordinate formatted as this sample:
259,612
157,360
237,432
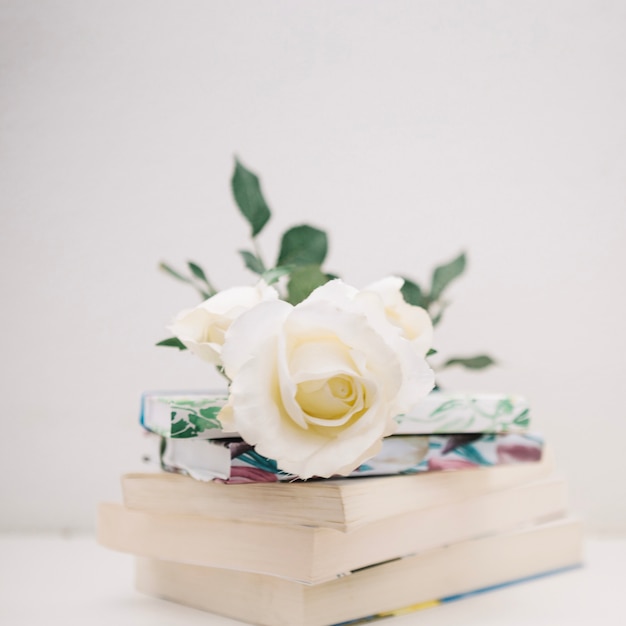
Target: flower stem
257,252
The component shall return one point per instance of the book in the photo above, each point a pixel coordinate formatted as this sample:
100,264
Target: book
312,554
415,580
233,460
188,414
342,504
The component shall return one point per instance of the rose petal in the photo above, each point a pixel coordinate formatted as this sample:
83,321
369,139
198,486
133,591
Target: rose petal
414,321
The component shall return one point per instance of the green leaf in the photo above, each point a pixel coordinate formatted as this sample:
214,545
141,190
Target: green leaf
472,363
303,245
436,320
181,429
504,407
303,280
206,420
431,352
473,454
172,342
271,276
172,272
448,405
414,295
197,271
252,261
249,198
211,414
445,274
523,419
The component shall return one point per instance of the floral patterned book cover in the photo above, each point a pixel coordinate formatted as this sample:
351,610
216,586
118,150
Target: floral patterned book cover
189,414
232,460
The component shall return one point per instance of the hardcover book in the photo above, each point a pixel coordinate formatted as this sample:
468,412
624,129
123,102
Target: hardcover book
233,460
196,414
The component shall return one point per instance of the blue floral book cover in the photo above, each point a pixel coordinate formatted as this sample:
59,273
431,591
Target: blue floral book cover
233,460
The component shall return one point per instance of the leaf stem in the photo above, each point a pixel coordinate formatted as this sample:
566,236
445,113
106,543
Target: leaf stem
220,370
257,251
212,290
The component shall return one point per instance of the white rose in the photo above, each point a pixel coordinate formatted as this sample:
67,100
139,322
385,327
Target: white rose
414,321
317,386
203,328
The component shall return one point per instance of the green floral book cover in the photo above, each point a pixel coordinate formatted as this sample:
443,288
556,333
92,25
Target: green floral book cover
183,415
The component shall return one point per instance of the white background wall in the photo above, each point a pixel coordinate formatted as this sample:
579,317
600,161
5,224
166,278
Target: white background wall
412,130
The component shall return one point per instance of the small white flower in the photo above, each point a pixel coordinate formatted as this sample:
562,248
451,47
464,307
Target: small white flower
317,386
414,321
203,328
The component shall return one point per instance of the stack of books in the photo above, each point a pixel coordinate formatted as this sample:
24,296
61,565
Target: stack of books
462,500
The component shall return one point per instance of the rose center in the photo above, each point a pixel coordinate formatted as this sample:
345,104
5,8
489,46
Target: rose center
328,399
341,387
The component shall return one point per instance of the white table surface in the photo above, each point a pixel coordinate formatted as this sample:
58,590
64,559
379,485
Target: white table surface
70,581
